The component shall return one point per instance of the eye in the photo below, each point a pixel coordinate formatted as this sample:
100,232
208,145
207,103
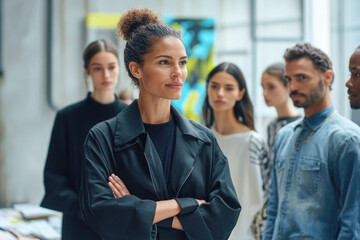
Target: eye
213,86
183,63
302,77
163,62
96,69
229,88
112,67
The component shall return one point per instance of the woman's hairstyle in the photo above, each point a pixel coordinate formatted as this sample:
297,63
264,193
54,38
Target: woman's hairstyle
243,108
277,70
98,46
320,60
141,28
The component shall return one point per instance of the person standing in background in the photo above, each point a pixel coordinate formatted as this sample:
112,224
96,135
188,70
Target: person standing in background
126,96
72,124
228,111
353,84
315,190
276,94
150,173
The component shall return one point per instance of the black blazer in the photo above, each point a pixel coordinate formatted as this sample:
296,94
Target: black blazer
199,170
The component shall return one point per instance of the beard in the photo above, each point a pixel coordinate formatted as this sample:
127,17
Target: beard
314,96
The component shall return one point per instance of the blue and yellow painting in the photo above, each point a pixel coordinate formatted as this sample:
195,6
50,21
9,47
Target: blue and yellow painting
198,37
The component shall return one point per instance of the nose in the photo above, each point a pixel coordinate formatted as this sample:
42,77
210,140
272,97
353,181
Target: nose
264,92
176,71
348,84
293,86
220,92
106,73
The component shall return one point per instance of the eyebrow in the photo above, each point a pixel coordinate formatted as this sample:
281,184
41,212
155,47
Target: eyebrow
101,64
166,56
226,85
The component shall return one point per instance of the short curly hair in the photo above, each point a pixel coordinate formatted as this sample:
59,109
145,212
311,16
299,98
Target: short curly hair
141,28
320,60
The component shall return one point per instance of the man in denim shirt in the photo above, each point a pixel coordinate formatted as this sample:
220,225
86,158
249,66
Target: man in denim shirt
353,84
315,191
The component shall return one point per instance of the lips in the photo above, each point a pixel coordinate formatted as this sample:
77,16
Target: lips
106,83
351,94
175,85
219,102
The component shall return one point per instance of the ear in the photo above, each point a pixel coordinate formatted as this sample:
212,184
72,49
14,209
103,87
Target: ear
328,77
241,94
86,72
135,70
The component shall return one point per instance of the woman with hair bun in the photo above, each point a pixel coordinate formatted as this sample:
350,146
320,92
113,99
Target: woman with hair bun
63,163
150,173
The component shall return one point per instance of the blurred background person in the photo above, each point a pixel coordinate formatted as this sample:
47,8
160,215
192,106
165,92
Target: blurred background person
276,94
63,163
353,84
228,111
126,96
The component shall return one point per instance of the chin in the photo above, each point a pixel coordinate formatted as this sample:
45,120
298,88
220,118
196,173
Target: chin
354,105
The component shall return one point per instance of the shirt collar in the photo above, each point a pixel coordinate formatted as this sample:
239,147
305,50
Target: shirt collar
317,119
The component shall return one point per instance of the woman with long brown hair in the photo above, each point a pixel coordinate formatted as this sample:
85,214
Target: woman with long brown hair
228,111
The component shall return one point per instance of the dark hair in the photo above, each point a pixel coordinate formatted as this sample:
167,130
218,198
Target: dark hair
320,60
98,46
358,47
277,70
141,28
243,109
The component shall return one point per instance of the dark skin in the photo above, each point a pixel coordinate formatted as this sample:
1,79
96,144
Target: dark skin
353,84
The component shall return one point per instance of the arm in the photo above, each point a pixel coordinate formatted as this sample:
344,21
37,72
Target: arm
347,180
164,209
58,193
110,217
272,207
216,218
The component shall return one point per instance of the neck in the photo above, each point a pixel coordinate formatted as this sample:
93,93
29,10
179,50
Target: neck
318,106
286,110
154,110
104,97
226,123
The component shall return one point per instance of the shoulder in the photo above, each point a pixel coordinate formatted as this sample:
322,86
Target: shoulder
105,129
71,109
289,128
341,128
202,132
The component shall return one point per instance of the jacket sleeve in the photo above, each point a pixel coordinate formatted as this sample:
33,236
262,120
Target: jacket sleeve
216,218
112,218
59,195
347,180
272,207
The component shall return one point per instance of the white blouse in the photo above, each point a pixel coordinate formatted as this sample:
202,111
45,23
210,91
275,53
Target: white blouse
246,153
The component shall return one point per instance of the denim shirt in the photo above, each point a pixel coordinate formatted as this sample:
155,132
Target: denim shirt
315,190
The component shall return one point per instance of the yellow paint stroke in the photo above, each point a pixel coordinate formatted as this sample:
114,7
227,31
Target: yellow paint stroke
102,20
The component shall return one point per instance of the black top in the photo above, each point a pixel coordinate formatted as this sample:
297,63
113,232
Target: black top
162,136
65,154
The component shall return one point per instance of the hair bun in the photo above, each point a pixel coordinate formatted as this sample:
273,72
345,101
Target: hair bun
133,19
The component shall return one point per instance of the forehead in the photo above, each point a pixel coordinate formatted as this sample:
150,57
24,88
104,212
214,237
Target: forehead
104,57
269,78
299,66
169,46
223,78
355,60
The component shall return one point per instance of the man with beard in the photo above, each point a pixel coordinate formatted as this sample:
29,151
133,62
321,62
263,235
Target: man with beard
353,84
315,192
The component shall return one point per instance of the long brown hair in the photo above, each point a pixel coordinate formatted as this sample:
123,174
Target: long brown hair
243,109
